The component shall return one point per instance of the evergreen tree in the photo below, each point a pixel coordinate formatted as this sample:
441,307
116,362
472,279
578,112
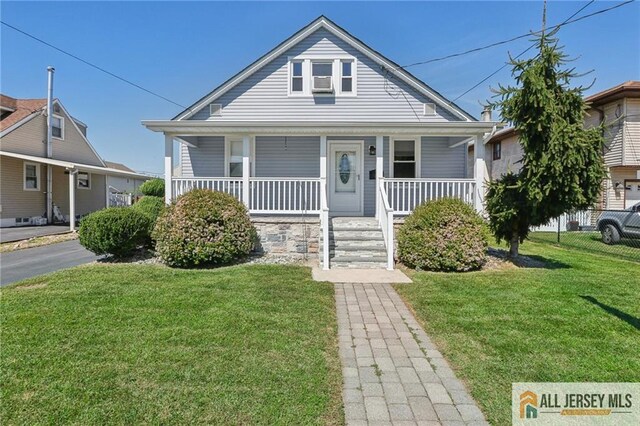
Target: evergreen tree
562,166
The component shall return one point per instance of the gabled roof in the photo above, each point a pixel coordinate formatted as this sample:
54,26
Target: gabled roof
325,23
22,108
628,89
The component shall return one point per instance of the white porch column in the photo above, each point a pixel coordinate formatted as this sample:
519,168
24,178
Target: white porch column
168,168
479,173
246,169
379,172
72,200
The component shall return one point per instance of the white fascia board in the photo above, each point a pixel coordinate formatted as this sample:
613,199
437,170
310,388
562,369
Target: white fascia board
208,128
73,166
419,86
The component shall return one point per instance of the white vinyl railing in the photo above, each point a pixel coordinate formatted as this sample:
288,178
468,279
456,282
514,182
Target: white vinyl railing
120,199
284,195
231,186
404,195
385,220
324,224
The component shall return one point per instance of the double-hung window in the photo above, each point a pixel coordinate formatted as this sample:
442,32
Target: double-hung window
57,127
404,159
84,180
347,76
31,177
235,158
497,150
297,80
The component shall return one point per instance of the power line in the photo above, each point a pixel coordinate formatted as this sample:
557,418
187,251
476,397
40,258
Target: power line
568,21
557,27
84,61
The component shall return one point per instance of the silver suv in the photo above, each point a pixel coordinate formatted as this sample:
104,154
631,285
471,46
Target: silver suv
620,223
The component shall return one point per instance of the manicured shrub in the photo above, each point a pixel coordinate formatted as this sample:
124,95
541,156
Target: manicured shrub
443,235
118,231
204,227
150,206
153,187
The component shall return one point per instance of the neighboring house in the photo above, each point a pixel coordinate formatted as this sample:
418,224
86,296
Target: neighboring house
78,174
618,108
323,125
119,184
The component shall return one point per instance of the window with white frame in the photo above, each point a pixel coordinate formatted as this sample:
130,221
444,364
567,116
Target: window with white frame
57,127
346,68
404,159
297,80
83,180
31,177
233,155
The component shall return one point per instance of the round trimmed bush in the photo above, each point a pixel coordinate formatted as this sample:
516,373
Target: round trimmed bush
150,206
443,235
118,231
204,228
153,187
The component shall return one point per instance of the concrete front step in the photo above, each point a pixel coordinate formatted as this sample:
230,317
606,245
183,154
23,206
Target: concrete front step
356,235
358,265
356,243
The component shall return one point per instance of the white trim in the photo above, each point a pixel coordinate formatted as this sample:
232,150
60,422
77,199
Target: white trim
70,165
429,114
24,175
78,180
61,118
330,173
227,153
417,143
305,32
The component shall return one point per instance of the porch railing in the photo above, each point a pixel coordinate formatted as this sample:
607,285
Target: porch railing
284,195
324,224
385,220
231,186
404,195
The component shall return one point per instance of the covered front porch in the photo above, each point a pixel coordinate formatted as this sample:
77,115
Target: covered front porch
325,170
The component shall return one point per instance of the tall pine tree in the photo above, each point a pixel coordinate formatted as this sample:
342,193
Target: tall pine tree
562,166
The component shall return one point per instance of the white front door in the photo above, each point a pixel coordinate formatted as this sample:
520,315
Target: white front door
345,178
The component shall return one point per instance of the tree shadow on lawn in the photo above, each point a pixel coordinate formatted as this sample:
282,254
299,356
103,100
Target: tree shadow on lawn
629,319
527,261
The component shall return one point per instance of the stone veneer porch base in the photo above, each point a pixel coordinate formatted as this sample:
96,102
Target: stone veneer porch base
293,235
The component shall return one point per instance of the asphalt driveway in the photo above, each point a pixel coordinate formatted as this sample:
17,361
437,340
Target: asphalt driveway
19,233
21,264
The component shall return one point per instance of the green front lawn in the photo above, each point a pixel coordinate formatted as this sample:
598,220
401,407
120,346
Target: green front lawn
591,242
578,320
146,344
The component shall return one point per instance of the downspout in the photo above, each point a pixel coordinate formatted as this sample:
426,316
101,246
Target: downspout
50,71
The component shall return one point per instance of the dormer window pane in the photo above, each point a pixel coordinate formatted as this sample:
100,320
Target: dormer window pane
296,77
320,69
347,76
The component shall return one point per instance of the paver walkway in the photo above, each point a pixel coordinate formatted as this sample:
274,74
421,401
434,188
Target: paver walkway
392,372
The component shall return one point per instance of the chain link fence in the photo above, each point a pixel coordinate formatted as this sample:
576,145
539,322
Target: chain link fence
608,232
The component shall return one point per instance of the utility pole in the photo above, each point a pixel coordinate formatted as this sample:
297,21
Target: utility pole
50,71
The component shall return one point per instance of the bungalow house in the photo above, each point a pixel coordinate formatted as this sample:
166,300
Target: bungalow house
326,142
36,188
618,108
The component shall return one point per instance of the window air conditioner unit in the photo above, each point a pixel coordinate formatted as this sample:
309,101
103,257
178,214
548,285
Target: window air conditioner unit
322,84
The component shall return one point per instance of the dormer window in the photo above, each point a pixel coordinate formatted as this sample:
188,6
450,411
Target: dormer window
322,75
297,80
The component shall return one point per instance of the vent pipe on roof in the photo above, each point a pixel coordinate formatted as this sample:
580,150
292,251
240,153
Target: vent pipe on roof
50,71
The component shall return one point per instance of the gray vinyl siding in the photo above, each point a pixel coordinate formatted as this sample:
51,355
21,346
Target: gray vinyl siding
439,161
264,94
293,156
204,161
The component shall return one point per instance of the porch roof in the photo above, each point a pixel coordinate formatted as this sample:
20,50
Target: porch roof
74,165
318,128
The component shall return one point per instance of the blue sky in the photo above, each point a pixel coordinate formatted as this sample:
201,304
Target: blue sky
183,50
